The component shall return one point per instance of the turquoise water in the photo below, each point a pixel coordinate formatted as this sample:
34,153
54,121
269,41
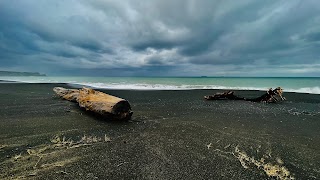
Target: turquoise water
300,84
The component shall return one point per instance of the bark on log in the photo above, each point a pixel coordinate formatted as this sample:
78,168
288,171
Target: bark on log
98,102
272,96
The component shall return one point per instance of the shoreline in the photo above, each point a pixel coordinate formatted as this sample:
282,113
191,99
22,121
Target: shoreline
6,81
172,135
75,85
298,85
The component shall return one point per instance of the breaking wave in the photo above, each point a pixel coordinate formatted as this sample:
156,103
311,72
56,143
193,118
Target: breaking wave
162,86
157,86
310,90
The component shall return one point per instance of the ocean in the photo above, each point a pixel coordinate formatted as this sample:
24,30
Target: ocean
289,84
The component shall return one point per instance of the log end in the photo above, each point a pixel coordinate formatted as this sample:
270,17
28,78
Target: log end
122,110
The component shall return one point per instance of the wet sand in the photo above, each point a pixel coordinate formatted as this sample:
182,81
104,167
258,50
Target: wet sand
172,135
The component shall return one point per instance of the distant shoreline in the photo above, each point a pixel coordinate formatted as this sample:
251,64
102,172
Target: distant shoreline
15,73
5,81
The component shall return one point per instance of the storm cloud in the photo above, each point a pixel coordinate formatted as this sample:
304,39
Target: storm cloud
161,37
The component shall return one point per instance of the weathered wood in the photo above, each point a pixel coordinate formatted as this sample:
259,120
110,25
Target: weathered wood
223,96
68,94
97,102
271,96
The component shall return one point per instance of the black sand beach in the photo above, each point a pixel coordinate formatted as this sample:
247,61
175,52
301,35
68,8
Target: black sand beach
172,135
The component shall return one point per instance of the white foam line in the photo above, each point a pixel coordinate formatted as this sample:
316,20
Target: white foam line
124,86
310,90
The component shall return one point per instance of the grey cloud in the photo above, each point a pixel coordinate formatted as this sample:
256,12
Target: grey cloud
132,35
120,72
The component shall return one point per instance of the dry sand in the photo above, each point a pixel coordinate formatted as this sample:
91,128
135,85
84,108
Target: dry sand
172,135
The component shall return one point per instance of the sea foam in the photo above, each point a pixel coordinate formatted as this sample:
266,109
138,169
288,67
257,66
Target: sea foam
154,84
120,86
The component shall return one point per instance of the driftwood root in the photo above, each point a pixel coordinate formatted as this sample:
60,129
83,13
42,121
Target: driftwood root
271,96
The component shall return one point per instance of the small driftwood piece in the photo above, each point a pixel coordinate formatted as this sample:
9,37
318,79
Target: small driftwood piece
271,96
97,102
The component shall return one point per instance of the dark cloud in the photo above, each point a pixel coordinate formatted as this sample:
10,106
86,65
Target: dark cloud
120,72
156,44
161,37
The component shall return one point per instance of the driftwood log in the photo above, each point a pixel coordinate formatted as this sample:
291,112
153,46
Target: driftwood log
271,96
97,102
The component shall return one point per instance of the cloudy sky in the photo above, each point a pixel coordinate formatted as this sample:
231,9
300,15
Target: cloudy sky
161,37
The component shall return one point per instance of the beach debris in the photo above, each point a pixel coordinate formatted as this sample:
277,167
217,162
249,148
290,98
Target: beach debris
98,102
106,138
16,157
271,96
2,146
275,170
272,168
227,146
56,153
122,164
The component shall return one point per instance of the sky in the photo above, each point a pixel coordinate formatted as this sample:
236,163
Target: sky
161,37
